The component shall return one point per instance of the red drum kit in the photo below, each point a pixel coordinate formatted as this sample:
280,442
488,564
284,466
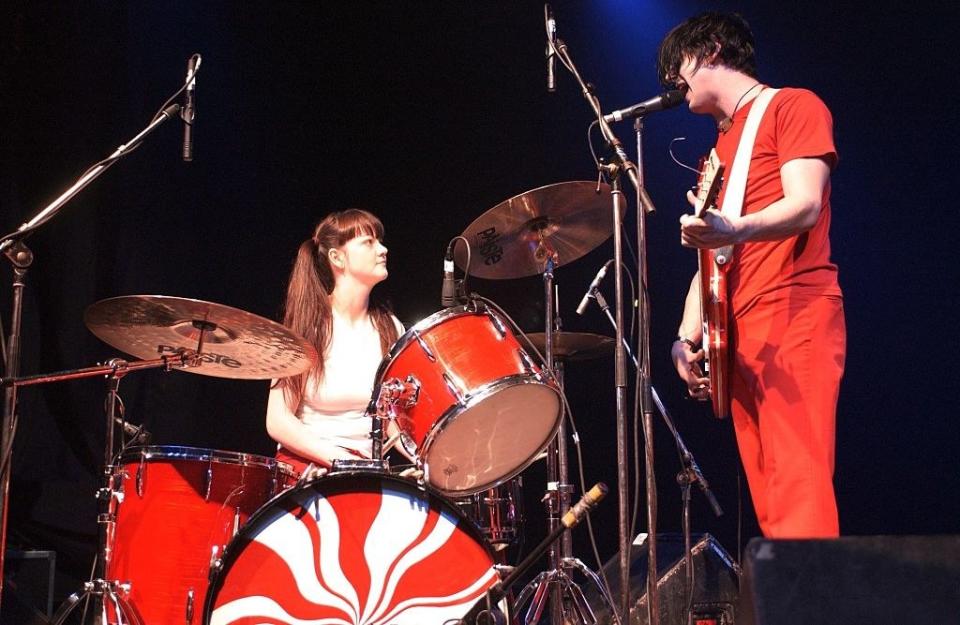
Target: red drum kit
202,536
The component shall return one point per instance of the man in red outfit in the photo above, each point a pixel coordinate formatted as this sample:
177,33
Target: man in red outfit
786,329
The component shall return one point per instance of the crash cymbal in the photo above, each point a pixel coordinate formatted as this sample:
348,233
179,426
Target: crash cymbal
236,344
574,345
516,237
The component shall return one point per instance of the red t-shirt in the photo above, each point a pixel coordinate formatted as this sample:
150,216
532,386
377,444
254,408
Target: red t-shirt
796,124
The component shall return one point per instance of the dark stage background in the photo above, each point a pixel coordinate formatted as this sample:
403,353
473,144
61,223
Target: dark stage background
429,114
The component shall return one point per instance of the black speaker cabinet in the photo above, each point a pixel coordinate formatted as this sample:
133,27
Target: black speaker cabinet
715,583
869,580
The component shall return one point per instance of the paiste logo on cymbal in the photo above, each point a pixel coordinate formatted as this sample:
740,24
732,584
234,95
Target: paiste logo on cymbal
487,242
207,357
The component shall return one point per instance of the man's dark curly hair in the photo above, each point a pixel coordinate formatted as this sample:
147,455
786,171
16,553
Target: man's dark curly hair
699,37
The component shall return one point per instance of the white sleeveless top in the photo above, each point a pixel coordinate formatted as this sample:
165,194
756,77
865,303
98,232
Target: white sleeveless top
334,409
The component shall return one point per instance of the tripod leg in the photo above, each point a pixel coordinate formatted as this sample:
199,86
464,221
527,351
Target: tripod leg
587,572
541,587
585,614
66,608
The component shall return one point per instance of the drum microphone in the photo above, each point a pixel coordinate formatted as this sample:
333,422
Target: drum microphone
582,308
551,45
189,111
448,292
133,431
665,100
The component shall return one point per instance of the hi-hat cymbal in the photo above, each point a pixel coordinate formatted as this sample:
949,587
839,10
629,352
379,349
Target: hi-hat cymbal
236,344
516,237
574,345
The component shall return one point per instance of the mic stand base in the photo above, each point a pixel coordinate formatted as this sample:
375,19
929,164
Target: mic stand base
557,582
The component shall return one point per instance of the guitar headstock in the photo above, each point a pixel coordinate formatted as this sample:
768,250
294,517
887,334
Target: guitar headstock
708,183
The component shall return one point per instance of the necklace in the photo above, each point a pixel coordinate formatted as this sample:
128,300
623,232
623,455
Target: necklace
725,123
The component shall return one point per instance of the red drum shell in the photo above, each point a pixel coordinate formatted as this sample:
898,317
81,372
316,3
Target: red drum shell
181,506
352,547
485,410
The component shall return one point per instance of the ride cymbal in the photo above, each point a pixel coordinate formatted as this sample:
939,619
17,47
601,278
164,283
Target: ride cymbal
574,345
515,238
236,344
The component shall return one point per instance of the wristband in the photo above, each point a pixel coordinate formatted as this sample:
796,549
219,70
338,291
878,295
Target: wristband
683,339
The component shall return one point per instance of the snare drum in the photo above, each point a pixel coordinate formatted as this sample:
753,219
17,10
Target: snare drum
481,407
498,512
350,548
179,507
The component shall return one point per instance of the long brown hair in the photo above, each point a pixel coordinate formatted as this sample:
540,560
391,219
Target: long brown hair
307,309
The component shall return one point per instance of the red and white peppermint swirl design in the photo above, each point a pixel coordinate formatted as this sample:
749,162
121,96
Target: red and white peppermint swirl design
390,555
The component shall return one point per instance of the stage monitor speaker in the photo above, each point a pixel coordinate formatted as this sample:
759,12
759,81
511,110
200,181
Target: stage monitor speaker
715,583
869,580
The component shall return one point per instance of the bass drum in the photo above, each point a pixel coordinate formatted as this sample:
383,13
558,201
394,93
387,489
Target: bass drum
352,548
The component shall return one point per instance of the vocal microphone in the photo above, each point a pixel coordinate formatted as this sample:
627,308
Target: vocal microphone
551,46
189,111
665,100
448,292
593,287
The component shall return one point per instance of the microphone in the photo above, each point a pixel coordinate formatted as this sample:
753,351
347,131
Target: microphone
551,43
593,286
133,431
665,100
448,292
590,499
189,111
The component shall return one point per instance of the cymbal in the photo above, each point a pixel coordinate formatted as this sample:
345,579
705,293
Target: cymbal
516,237
574,345
236,344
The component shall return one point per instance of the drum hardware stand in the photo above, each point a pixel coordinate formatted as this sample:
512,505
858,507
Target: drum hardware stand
556,583
110,592
689,474
481,612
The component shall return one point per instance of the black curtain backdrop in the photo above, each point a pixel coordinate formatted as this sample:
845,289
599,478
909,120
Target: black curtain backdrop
429,114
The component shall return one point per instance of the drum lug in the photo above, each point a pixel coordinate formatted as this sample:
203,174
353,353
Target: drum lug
141,474
208,480
529,365
189,606
423,345
215,562
497,323
454,390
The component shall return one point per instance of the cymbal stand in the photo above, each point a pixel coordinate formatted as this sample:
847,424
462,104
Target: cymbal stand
111,593
565,596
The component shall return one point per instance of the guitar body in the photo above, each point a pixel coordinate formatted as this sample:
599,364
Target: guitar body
714,305
714,311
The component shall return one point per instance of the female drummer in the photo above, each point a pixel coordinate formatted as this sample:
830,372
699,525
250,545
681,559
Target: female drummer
318,416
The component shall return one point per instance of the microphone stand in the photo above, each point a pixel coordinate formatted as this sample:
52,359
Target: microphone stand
690,472
622,164
21,257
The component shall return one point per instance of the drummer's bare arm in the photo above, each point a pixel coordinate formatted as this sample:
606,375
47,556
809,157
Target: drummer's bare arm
284,427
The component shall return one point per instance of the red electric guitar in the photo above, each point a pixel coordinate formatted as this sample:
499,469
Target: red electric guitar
714,306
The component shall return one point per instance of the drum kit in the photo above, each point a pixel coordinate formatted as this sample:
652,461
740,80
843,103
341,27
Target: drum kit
195,536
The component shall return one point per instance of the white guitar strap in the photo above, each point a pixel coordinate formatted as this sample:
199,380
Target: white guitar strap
737,180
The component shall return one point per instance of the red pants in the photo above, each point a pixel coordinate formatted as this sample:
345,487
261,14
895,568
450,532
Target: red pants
789,358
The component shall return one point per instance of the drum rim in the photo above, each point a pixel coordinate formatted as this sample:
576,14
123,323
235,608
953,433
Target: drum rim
473,400
341,480
202,454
